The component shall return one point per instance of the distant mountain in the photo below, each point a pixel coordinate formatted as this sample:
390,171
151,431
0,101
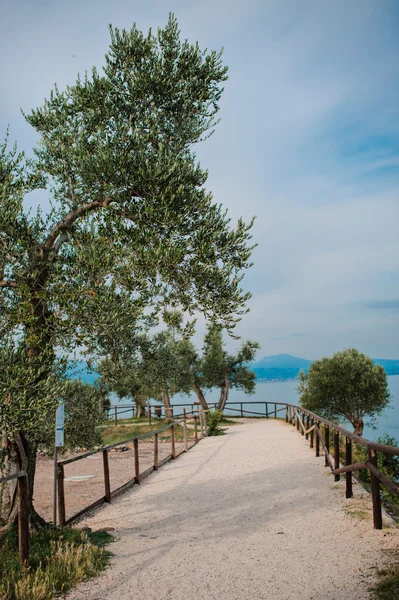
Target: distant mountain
280,367
281,361
284,367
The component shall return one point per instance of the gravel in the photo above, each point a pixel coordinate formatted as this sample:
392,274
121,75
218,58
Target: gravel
250,515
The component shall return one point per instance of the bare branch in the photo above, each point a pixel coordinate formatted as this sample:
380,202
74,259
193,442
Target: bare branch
7,284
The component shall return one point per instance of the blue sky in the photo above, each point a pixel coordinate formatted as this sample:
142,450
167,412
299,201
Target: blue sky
309,143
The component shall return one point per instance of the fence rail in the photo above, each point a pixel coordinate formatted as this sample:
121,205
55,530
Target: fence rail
318,430
199,421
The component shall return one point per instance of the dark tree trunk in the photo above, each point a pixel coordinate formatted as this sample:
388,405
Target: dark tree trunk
168,408
358,426
200,396
10,463
20,455
224,392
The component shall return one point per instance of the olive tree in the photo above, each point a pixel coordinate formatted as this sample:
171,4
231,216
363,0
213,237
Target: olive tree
223,370
131,224
345,387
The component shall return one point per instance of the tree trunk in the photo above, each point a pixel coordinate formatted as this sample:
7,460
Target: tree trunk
224,392
20,455
168,408
10,464
358,426
200,396
140,410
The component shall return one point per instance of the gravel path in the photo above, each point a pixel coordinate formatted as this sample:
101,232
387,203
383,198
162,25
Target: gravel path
250,515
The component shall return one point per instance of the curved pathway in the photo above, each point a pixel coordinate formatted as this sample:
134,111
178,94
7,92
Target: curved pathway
250,515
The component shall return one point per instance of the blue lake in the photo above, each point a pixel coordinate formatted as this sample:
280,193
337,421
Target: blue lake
285,391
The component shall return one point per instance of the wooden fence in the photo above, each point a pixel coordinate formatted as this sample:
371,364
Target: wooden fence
320,432
199,432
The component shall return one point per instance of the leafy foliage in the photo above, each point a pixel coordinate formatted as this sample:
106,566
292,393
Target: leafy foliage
346,386
214,418
224,370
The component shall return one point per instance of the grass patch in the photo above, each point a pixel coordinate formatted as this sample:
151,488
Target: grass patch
59,558
113,435
388,586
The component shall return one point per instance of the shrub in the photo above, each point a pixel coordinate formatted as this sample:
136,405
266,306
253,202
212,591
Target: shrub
213,421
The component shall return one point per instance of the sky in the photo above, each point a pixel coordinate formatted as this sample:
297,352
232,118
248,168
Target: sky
308,143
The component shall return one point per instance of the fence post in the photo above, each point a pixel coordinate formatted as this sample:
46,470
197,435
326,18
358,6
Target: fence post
107,483
375,492
317,439
116,415
275,410
23,519
266,410
297,420
336,453
201,420
195,428
136,460
205,423
185,432
307,425
348,461
286,414
172,441
155,451
327,444
303,424
149,415
242,412
61,495
312,434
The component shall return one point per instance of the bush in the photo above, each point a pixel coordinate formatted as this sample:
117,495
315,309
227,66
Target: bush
213,421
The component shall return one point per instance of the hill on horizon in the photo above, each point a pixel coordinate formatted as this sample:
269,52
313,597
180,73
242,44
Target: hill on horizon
286,366
281,361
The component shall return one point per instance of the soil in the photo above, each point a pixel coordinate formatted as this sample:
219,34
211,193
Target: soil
89,483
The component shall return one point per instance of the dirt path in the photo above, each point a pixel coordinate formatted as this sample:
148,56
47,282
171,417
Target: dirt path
251,515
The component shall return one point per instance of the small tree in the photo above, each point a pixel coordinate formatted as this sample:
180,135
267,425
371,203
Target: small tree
346,386
223,370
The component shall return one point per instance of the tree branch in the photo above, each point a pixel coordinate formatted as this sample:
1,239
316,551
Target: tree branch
70,219
74,215
7,284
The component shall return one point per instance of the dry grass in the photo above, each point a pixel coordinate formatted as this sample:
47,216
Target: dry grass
59,559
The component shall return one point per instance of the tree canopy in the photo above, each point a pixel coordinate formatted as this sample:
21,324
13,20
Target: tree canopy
346,386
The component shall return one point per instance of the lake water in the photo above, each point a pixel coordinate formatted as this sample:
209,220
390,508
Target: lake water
285,391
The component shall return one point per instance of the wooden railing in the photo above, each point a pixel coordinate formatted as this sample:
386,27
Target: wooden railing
324,433
199,421
324,430
23,517
321,433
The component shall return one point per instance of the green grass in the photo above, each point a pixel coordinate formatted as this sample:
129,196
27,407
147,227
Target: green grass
59,558
388,586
